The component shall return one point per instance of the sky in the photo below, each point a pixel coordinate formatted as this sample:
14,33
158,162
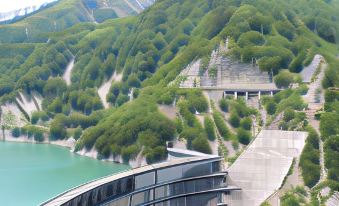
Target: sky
10,5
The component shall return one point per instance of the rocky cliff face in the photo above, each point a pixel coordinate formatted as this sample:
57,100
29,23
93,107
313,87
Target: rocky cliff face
11,15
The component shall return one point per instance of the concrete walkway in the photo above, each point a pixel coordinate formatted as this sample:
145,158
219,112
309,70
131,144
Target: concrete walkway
261,169
315,100
308,71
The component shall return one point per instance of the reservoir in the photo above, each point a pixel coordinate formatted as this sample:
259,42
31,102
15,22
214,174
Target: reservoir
33,173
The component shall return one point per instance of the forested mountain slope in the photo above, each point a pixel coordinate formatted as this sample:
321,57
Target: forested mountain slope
150,50
60,15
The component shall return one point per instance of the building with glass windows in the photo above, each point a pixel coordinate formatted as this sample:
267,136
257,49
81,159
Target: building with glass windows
194,181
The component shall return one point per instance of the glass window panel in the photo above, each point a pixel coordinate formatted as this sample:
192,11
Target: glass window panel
141,197
177,202
197,169
169,174
189,186
161,192
201,200
203,184
218,181
144,180
216,166
177,188
121,202
165,203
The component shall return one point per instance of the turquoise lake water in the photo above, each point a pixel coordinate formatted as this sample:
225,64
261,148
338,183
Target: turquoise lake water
33,173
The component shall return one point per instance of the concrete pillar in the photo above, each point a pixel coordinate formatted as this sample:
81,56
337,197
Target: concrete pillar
246,96
235,95
271,93
259,94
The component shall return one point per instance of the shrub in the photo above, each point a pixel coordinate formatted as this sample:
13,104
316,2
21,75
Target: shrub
201,144
167,98
309,159
157,154
283,79
271,107
16,132
234,120
270,64
186,113
331,148
246,123
221,126
209,127
244,136
239,107
197,100
223,104
57,128
77,133
122,98
190,134
289,114
39,136
327,124
35,117
133,81
178,125
129,152
251,38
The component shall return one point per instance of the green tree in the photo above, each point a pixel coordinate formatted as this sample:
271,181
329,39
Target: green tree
209,127
223,104
289,114
221,126
39,136
244,136
55,87
16,132
234,120
201,144
327,124
271,107
283,79
133,81
246,123
57,128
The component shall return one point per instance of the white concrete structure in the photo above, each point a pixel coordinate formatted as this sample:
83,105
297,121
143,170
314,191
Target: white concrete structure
261,169
191,74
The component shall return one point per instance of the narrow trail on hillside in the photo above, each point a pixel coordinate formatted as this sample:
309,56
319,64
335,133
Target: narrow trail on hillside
104,88
315,100
68,72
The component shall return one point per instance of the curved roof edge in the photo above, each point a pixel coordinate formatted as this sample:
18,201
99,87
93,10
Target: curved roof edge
76,191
